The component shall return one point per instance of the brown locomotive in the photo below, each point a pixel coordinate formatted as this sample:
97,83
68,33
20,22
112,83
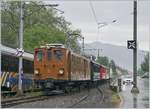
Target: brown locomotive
58,67
55,63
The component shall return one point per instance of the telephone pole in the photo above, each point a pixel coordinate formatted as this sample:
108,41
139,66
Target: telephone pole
135,89
21,48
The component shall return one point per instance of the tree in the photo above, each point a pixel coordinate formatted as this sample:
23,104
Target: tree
145,64
113,66
103,60
41,25
41,35
10,23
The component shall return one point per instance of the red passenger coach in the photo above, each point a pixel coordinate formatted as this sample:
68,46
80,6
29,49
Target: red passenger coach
103,72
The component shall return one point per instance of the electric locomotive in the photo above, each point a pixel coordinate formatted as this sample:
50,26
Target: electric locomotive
57,66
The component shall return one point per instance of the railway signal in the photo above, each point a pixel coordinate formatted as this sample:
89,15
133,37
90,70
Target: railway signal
131,44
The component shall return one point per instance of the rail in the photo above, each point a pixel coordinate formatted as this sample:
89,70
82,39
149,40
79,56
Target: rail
12,102
88,97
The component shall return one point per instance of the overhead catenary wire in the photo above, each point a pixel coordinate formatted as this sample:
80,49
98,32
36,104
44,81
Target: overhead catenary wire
95,17
93,11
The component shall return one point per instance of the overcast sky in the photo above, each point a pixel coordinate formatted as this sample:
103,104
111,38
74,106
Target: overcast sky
79,13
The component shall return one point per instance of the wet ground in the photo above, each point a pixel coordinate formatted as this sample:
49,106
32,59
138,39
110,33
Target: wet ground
94,100
140,100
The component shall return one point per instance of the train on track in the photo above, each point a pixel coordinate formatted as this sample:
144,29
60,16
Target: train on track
9,74
56,67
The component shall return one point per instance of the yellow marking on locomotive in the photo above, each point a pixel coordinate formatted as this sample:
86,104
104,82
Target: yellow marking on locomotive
1,78
11,73
3,75
14,88
15,74
7,73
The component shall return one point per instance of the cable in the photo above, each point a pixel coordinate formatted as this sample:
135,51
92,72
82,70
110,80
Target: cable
93,11
94,14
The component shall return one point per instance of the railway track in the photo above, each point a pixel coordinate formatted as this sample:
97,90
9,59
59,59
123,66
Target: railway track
102,94
88,97
16,101
12,102
79,101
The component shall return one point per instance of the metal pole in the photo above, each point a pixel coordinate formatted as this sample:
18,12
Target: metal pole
21,47
0,60
83,44
98,53
135,89
135,38
67,40
0,45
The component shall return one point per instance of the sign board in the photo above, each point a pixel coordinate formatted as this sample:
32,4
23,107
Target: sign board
131,44
19,52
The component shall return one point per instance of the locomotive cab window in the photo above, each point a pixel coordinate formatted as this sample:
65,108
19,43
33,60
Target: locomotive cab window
39,55
49,54
58,54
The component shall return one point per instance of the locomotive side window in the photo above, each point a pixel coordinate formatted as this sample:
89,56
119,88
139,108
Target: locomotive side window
58,54
49,54
39,55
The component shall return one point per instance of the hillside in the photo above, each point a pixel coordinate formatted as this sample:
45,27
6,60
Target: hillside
122,56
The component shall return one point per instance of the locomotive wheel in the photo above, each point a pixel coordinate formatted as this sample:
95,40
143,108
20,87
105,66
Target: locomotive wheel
68,89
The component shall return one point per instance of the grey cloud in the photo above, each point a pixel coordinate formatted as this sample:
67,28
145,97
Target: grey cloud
81,16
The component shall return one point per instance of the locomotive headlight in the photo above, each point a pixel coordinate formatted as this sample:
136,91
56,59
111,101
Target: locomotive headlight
36,72
61,71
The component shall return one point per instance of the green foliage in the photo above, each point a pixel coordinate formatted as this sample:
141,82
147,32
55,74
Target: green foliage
10,23
72,41
41,25
113,66
140,72
103,60
41,35
145,64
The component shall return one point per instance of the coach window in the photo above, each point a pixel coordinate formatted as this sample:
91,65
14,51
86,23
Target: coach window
49,54
39,55
58,54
